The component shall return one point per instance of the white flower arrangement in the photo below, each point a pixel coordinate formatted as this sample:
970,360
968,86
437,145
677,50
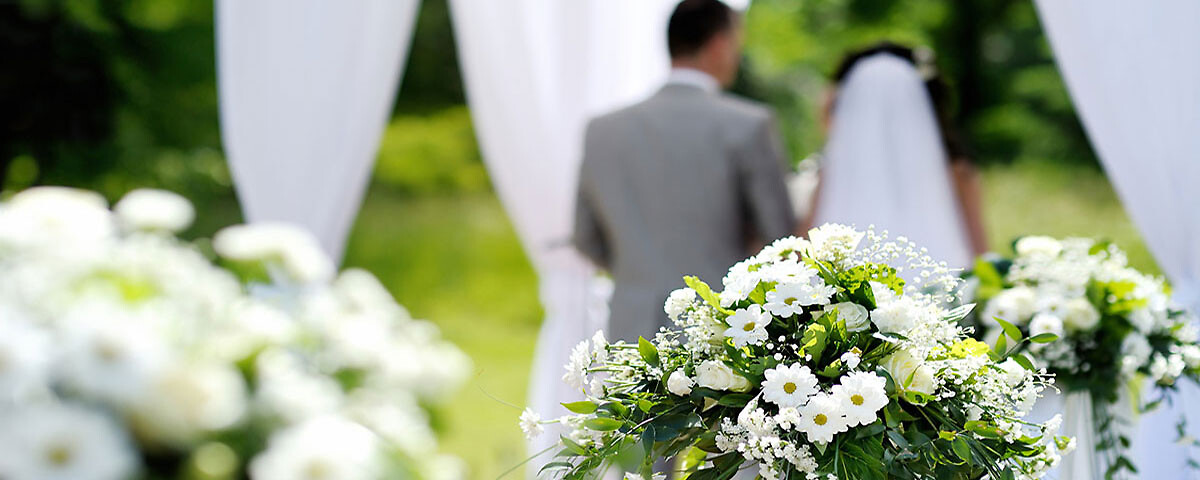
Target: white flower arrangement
817,361
1113,324
127,353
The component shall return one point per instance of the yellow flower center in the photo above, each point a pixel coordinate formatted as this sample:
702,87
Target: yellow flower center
59,455
748,326
790,300
789,387
857,399
317,471
820,419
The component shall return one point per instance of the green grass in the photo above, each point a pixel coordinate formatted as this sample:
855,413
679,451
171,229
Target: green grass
455,260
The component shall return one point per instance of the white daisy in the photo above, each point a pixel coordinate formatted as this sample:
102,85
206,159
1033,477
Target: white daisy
151,209
784,301
862,394
325,447
63,442
822,418
789,385
581,359
748,326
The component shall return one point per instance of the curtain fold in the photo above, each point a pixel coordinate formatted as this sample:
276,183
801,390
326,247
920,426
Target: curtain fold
1133,71
535,72
306,89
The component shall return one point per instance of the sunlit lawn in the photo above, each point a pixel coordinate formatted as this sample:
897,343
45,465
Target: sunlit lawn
455,260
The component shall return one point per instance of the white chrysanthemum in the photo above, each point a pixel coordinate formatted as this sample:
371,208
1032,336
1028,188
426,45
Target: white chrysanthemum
109,354
326,447
1078,315
1046,323
63,442
854,315
531,424
738,283
1191,355
678,302
789,385
186,401
785,300
42,217
679,383
851,359
287,390
1038,245
898,316
863,394
577,365
24,357
293,249
748,326
151,209
1014,305
822,418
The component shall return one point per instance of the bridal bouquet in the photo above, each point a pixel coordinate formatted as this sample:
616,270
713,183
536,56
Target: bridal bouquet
819,361
127,353
1113,324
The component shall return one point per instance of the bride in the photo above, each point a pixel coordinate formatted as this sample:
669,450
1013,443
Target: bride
892,161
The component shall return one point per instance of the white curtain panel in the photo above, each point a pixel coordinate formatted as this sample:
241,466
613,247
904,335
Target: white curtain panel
535,72
306,88
1133,71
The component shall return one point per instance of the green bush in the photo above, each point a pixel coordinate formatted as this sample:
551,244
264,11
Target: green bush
434,153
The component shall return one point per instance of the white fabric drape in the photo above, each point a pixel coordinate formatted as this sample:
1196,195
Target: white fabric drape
535,71
306,88
1133,71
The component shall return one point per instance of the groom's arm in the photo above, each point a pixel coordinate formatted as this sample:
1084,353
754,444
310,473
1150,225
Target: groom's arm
588,234
763,161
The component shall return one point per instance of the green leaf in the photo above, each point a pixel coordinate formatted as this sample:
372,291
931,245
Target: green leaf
645,405
603,424
705,293
1009,329
1043,338
648,351
573,447
1000,348
961,448
735,400
1024,361
813,341
584,407
555,465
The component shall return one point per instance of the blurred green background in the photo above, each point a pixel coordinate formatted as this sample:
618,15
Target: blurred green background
116,94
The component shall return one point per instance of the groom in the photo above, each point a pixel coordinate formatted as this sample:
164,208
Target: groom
687,182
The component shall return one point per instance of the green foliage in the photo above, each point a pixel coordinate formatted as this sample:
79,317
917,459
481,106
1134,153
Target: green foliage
431,153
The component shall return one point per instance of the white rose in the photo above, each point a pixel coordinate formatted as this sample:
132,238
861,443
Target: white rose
1046,323
715,375
1079,315
1038,245
679,383
1188,333
853,314
1014,373
898,316
678,302
909,372
718,376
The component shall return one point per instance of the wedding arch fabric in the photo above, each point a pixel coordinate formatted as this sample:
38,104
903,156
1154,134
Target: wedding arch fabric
885,164
535,72
1133,71
306,89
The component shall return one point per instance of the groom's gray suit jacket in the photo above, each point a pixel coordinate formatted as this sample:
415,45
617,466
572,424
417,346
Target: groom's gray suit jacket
677,185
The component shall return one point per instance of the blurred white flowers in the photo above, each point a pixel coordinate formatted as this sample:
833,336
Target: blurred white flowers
172,355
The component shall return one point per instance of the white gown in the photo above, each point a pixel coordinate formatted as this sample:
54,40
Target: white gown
885,164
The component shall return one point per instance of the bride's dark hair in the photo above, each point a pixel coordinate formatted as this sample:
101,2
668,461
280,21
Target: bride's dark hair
939,91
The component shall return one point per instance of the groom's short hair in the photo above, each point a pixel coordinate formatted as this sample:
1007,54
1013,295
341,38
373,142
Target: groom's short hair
694,23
